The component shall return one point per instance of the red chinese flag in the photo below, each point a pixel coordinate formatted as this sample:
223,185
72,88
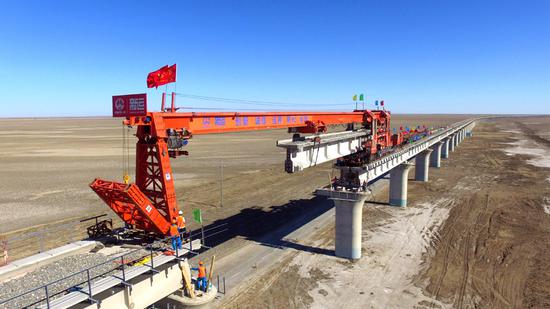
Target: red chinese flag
162,76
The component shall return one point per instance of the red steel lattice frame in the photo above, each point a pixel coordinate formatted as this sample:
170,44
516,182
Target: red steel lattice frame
150,203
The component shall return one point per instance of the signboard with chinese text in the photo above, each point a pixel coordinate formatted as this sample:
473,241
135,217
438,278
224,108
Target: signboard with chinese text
130,105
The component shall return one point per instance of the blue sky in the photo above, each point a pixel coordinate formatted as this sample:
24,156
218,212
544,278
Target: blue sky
67,58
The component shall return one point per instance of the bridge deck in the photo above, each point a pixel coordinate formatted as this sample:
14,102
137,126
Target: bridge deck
101,285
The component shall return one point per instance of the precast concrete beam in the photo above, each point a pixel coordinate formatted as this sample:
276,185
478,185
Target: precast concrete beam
398,184
435,158
349,223
422,165
445,149
313,150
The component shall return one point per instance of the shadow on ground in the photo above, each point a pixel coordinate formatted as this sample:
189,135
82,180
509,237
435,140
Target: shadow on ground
270,226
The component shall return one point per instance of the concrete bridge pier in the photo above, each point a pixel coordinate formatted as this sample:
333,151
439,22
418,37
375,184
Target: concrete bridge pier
398,184
349,220
422,165
452,144
445,149
435,158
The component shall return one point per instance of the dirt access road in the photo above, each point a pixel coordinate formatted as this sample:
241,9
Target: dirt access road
476,235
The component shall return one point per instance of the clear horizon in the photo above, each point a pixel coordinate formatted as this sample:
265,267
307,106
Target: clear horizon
66,58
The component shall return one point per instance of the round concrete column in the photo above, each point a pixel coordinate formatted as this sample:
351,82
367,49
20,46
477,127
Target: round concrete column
421,165
435,158
452,143
349,226
445,149
398,184
455,139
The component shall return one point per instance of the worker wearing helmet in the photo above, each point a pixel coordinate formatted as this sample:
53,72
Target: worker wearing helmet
176,240
180,220
201,276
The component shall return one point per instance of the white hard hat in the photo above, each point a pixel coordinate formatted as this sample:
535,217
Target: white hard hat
181,212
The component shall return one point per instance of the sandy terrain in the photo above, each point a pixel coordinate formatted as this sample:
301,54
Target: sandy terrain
475,236
47,164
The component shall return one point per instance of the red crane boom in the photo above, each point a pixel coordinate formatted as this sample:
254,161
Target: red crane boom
150,203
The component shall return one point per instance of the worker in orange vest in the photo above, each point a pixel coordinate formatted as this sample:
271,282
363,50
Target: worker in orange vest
201,277
176,240
180,220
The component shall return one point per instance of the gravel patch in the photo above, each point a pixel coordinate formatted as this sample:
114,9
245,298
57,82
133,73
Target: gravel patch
55,271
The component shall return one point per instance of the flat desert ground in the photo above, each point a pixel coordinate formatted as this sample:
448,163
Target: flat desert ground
48,163
475,235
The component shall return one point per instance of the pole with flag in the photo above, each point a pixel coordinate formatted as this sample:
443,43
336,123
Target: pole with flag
164,76
376,103
362,99
355,100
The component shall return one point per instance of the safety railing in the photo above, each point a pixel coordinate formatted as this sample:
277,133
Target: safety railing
120,263
37,240
405,149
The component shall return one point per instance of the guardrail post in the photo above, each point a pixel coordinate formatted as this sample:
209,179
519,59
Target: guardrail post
152,265
89,286
123,271
41,242
47,297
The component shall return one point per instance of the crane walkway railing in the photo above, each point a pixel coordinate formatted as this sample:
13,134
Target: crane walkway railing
91,284
118,278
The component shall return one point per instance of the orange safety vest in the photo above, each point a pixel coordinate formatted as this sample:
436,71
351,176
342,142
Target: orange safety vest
180,220
173,230
202,272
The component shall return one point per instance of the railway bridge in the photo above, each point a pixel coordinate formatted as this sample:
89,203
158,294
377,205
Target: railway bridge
350,193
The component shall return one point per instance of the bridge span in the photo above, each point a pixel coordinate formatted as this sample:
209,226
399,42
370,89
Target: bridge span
349,199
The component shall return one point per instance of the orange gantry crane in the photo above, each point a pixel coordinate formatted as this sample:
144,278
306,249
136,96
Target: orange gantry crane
150,203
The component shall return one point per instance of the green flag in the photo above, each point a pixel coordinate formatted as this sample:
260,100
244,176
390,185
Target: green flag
361,97
197,215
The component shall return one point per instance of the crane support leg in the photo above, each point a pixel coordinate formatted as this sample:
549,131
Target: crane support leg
131,205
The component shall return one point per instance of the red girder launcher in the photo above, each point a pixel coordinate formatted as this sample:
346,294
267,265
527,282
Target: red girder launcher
150,203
